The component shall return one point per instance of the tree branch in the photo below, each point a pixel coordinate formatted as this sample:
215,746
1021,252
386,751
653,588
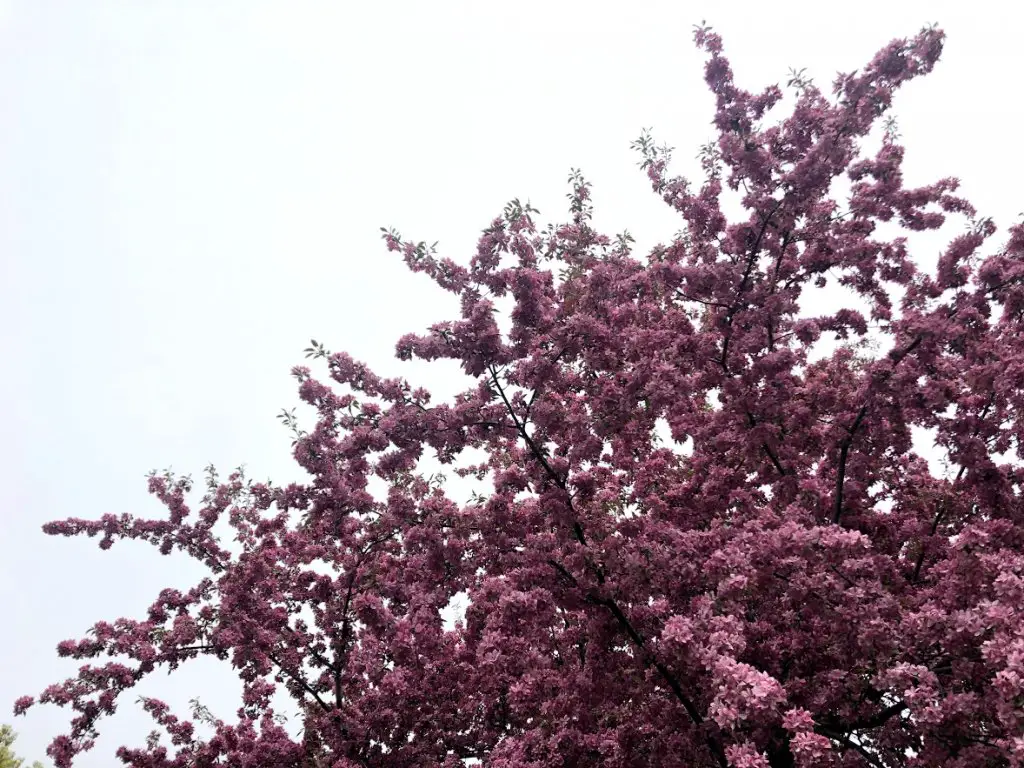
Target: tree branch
844,446
649,659
845,740
302,683
751,260
879,718
767,448
539,456
844,451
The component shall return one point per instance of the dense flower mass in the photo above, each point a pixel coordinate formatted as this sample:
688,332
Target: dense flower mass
705,537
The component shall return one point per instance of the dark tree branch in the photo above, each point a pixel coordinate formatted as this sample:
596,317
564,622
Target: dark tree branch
844,451
535,450
713,743
300,682
705,302
879,718
767,448
521,429
751,261
846,741
649,659
677,689
346,628
844,446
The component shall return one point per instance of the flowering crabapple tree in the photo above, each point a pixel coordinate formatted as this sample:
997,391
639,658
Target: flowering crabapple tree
706,537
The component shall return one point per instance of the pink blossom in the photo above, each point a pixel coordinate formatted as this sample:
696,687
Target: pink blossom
798,719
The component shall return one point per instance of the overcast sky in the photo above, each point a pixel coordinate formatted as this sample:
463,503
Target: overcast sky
192,189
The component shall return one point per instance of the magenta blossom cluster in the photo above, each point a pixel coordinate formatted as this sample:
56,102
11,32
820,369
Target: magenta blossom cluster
705,539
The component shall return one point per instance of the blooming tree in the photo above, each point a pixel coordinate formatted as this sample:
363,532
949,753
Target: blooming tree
705,537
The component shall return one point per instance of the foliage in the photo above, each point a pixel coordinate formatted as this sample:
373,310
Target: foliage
7,757
784,582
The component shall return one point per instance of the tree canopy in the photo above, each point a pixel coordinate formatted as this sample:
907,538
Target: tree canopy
701,533
7,757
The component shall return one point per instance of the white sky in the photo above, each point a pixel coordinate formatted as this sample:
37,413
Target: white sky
190,190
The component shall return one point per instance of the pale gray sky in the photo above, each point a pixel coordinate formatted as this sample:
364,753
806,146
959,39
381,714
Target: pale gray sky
191,189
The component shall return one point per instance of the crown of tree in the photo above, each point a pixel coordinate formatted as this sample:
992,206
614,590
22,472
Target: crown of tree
701,536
